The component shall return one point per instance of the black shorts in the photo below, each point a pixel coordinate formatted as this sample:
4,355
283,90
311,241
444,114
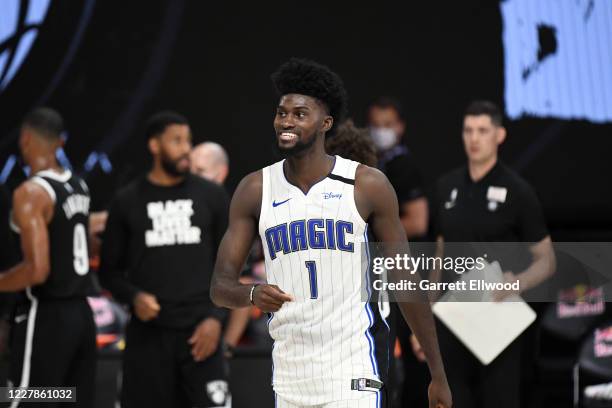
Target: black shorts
159,370
53,344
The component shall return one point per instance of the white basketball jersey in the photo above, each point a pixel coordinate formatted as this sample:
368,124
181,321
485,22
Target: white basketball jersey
312,244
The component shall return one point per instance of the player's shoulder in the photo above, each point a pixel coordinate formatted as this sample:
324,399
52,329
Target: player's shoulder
248,194
251,184
371,183
30,192
366,176
29,189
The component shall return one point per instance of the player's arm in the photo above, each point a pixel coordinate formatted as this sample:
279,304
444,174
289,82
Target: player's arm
380,201
32,211
221,213
226,289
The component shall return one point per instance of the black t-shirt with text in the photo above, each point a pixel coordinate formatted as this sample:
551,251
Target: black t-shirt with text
163,240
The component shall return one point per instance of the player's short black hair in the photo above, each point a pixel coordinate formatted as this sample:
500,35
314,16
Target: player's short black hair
46,122
306,77
157,123
352,143
483,107
388,102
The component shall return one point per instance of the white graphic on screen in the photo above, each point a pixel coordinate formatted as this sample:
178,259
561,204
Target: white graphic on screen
558,59
18,34
171,224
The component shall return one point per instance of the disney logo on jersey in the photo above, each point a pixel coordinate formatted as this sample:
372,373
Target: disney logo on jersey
316,233
327,196
171,224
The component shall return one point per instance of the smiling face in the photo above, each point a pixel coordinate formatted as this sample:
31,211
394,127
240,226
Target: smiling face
299,121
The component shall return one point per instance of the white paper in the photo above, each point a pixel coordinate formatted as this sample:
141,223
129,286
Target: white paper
486,328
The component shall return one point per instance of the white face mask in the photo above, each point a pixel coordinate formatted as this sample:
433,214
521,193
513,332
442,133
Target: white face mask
383,138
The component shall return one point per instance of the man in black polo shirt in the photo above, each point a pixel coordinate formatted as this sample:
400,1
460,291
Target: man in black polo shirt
486,201
158,252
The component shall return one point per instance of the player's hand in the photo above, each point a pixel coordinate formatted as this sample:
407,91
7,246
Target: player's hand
146,306
205,339
417,349
440,394
500,295
270,298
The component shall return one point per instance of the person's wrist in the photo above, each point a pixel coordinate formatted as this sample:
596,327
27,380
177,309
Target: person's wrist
252,294
212,320
438,375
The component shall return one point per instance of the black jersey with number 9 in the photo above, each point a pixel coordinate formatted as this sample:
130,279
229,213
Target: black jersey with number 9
68,236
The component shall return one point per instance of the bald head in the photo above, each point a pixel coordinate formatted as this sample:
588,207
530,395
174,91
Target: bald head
209,160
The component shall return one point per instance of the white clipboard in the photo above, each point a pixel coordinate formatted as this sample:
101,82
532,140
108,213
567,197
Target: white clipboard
486,328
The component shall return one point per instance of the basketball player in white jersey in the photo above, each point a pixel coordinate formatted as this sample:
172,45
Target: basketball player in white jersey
313,211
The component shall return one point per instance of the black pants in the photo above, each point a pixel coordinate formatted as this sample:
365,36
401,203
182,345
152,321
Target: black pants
159,370
474,385
53,344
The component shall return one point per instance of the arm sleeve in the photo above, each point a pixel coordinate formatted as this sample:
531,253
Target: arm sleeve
114,257
531,222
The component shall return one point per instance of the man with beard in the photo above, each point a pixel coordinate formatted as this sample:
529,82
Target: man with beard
313,212
158,252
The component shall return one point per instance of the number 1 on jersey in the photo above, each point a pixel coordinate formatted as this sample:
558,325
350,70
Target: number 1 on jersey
312,275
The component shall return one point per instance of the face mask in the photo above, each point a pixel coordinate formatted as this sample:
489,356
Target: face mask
383,138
